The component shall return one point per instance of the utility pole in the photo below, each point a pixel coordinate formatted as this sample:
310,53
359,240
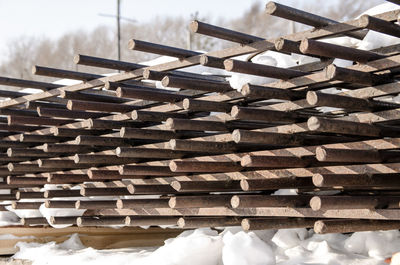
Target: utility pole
119,28
119,18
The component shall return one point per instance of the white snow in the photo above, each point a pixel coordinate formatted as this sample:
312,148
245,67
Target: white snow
8,218
285,192
246,249
380,9
31,90
231,247
271,58
48,212
375,39
24,213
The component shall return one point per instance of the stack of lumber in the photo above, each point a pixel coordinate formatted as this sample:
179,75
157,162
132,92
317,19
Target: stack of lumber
202,154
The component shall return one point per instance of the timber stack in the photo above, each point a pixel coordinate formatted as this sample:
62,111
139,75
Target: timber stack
201,154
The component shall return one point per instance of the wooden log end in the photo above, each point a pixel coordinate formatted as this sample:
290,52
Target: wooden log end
270,8
186,104
194,26
39,162
63,93
204,59
89,123
9,152
10,166
39,111
312,98
304,44
235,201
14,205
70,105
52,220
47,203
78,205
165,81
18,195
244,184
8,180
54,130
181,222
135,115
246,225
146,73
128,221
246,161
364,21
236,136
35,69
172,202
120,204
235,111
228,64
279,43
313,123
77,58
76,158
131,188
173,166
122,132
315,203
330,71
49,178
318,180
46,194
246,90
90,173
176,185
82,191
79,221
118,151
78,140
131,44
320,153
119,92
172,144
169,123
109,85
320,227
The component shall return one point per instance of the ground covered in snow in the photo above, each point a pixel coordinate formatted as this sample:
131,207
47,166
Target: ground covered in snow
230,247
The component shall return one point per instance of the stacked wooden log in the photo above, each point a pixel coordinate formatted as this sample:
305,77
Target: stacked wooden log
204,155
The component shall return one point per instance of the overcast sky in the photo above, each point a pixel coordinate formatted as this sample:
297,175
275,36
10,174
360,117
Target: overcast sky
53,18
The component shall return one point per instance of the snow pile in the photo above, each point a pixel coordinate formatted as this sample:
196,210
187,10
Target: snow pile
231,247
246,249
